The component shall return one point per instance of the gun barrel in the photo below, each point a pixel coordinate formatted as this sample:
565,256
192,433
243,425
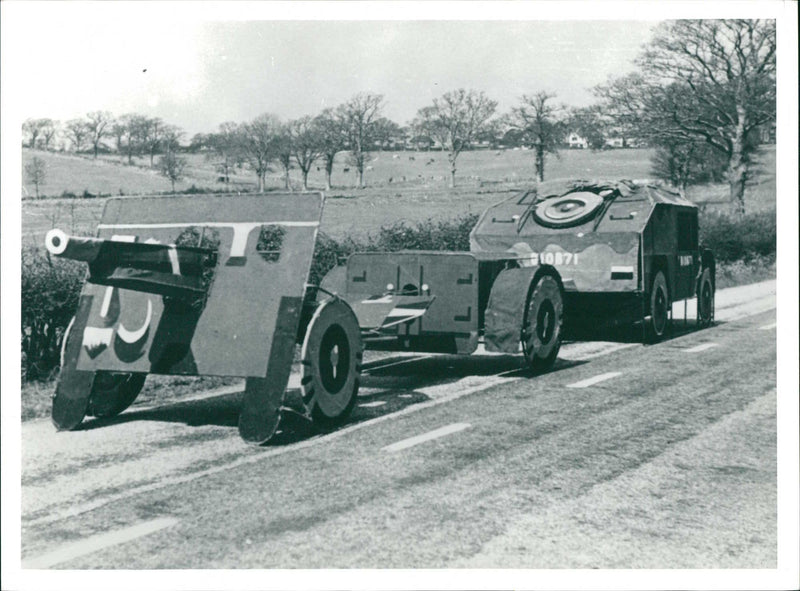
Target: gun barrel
164,269
78,248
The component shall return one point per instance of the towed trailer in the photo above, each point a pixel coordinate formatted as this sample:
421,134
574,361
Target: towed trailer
216,285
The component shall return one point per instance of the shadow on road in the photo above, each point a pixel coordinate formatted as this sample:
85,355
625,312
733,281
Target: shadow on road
630,333
387,386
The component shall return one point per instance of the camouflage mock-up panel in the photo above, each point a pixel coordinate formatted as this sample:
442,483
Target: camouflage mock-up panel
262,247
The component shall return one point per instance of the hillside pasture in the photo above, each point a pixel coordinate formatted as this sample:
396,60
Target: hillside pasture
76,174
401,186
111,174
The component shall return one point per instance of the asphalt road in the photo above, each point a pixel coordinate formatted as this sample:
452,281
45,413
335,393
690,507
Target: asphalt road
624,456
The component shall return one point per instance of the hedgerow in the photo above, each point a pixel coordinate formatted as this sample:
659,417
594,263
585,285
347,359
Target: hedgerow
50,290
737,239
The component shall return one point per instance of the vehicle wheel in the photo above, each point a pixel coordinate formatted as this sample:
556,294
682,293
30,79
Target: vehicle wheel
331,357
659,306
541,338
705,300
113,392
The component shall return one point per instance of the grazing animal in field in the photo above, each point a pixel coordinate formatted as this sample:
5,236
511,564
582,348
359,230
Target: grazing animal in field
395,156
411,158
369,168
346,169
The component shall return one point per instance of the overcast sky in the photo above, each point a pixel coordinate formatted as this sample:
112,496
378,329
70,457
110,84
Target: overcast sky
200,74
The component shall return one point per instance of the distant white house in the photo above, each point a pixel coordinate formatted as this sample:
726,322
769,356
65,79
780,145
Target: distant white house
576,141
615,142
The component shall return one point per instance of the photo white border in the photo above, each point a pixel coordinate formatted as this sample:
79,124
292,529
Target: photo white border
19,18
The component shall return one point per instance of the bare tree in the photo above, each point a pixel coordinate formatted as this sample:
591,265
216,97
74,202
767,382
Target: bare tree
455,120
225,147
33,128
306,145
171,136
98,126
118,130
172,166
330,131
36,173
78,133
283,147
49,132
542,127
682,163
386,131
151,131
590,123
134,129
708,80
258,144
358,117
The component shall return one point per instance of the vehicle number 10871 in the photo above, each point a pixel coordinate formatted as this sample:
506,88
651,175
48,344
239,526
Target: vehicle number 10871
553,258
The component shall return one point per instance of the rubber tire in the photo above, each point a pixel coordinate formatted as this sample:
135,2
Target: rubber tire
329,398
705,300
544,316
113,392
659,307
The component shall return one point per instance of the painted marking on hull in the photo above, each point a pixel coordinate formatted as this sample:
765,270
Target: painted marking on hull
98,542
698,348
595,380
372,404
429,436
768,326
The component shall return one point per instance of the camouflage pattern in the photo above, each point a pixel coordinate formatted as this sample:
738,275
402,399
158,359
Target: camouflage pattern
595,244
244,258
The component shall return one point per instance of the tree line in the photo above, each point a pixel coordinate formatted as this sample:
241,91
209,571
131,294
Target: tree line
701,92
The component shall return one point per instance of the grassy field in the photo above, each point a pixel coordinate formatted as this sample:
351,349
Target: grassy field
401,186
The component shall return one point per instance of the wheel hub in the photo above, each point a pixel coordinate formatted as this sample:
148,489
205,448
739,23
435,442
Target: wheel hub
545,322
334,359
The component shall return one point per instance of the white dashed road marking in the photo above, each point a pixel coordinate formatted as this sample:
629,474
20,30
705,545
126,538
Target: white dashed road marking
372,404
699,348
98,542
412,441
595,380
768,326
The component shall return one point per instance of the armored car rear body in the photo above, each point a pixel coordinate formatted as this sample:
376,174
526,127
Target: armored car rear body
623,250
